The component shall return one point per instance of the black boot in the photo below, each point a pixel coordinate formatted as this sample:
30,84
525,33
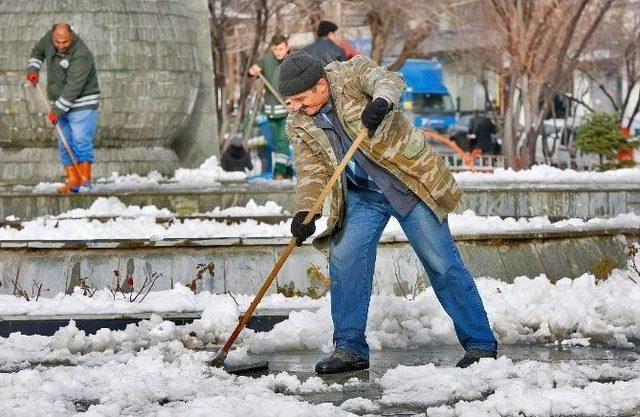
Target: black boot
474,355
341,361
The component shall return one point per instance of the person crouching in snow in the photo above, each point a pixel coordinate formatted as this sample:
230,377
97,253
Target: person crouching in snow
72,86
235,156
394,173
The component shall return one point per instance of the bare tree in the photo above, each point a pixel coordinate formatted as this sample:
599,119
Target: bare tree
543,42
239,35
615,53
405,21
220,22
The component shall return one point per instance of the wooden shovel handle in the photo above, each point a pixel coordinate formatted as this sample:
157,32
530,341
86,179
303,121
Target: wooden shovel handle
292,244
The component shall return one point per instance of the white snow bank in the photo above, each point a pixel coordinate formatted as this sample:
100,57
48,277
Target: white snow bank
180,299
270,208
548,174
208,174
503,388
166,379
162,380
527,311
113,207
139,223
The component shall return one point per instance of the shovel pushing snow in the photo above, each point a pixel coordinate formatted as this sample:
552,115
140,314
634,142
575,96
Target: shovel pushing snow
218,361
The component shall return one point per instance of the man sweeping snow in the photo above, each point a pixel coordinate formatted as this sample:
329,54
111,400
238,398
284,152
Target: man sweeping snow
395,173
72,86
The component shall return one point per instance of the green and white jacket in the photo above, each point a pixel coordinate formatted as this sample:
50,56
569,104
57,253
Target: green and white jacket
72,79
271,70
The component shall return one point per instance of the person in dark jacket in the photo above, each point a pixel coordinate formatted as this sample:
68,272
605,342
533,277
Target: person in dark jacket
235,156
72,86
323,47
481,129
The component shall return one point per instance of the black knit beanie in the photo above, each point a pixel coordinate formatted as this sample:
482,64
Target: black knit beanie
325,27
299,72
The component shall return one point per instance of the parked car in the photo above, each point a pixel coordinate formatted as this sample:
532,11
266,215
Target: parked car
562,132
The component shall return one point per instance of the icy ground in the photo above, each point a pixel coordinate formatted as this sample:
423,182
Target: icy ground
134,222
567,349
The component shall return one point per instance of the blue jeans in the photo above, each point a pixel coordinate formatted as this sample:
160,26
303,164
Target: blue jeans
79,128
352,258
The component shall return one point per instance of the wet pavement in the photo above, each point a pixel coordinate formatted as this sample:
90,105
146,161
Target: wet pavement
302,364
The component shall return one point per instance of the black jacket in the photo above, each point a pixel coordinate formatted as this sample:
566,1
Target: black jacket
326,50
235,158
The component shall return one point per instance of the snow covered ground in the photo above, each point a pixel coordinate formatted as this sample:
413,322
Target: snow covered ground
152,369
209,174
156,368
530,310
134,222
169,380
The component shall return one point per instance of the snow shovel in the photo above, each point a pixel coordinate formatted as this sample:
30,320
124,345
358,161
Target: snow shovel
218,361
60,135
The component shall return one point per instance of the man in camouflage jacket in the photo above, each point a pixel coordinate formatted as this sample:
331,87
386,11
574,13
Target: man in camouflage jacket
394,173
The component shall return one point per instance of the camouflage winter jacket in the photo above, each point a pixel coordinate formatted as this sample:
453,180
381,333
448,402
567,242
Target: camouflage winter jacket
397,145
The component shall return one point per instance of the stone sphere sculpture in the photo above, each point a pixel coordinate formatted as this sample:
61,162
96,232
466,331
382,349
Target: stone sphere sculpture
146,56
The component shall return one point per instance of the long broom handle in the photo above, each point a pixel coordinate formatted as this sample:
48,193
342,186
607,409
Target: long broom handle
61,136
270,88
292,245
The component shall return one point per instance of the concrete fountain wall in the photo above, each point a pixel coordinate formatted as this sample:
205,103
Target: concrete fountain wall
154,65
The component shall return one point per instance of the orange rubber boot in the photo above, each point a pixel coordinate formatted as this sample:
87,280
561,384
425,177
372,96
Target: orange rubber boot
85,173
73,180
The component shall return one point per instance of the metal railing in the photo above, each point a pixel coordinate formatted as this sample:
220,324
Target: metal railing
481,163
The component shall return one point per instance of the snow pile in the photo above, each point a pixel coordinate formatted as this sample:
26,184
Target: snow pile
139,228
129,181
139,223
163,380
180,299
504,388
208,174
547,174
270,208
150,368
527,311
535,310
167,379
113,207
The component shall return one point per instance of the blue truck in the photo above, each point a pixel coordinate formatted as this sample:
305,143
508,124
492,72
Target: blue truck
427,99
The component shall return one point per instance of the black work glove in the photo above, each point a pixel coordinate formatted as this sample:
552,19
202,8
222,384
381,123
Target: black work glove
374,113
302,231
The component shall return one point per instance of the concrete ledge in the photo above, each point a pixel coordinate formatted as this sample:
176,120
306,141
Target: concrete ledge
241,265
